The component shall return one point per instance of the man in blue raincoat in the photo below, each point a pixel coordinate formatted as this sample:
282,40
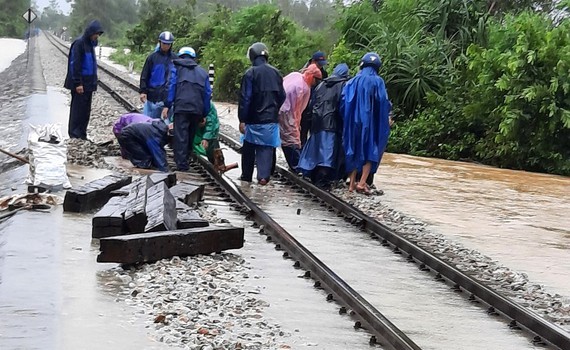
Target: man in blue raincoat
365,109
155,76
81,79
261,96
189,95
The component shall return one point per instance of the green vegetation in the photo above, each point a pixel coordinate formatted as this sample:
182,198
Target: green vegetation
484,81
12,24
470,80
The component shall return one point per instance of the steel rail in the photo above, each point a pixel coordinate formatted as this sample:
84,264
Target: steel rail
517,314
385,332
123,101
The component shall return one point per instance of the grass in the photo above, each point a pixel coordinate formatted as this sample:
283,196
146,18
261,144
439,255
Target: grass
124,59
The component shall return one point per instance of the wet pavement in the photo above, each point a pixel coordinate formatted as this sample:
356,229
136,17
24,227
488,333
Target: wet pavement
52,294
517,218
299,308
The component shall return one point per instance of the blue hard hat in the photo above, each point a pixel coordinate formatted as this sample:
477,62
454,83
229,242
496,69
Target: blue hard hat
166,37
187,50
371,59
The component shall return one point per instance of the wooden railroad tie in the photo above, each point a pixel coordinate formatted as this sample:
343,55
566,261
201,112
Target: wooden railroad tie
153,246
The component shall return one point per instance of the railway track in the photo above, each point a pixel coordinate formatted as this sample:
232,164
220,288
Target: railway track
296,235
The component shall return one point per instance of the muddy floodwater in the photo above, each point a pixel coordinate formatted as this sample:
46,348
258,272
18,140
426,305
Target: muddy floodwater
519,218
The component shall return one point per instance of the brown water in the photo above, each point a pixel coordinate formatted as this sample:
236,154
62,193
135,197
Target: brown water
519,218
516,217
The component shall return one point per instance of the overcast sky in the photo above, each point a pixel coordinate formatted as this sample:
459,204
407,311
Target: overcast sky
64,6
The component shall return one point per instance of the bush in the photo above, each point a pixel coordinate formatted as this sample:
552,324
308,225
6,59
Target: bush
228,37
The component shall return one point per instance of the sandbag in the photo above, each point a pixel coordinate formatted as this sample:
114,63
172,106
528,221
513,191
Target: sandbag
47,156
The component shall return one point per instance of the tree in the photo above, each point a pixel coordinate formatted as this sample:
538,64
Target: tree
111,13
52,17
11,22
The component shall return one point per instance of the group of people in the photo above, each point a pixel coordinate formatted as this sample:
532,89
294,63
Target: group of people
329,128
347,119
176,93
177,110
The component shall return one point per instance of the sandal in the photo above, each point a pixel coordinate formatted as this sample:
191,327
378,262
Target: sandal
364,190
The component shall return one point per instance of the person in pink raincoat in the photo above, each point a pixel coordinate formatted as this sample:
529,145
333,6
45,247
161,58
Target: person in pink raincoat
298,91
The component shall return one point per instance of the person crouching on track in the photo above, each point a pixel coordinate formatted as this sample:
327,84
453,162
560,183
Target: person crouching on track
144,144
261,96
298,91
322,158
123,121
189,95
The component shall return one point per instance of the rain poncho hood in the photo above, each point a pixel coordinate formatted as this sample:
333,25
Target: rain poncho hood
339,74
93,28
186,62
365,108
127,119
297,93
341,70
311,74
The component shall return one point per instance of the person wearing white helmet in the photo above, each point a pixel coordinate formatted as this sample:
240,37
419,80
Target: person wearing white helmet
155,75
189,95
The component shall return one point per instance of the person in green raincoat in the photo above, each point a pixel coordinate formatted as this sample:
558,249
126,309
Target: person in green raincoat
206,137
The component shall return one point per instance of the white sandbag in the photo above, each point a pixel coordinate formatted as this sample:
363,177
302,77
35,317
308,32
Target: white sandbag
48,156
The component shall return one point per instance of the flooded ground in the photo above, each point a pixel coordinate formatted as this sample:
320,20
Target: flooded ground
53,295
429,312
52,292
16,46
515,217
